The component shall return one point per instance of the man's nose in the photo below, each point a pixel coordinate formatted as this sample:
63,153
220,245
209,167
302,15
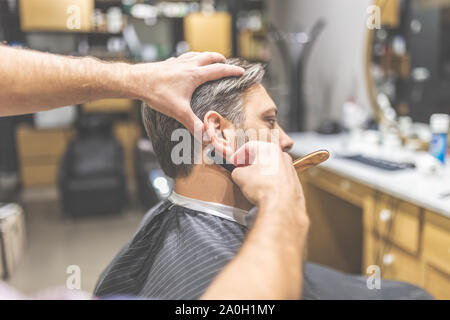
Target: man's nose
286,142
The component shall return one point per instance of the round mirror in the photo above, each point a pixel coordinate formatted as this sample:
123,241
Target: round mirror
408,59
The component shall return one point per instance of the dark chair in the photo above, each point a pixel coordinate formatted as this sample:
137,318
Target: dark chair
92,173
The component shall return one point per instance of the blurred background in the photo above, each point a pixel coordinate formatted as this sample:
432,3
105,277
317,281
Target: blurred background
368,80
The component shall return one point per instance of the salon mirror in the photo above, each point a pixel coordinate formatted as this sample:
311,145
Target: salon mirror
408,60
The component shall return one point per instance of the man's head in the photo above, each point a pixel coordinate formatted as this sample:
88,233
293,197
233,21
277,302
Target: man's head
225,105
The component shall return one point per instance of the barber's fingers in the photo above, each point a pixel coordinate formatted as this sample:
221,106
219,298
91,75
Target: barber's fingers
248,153
188,55
206,58
218,70
191,122
242,155
259,151
239,175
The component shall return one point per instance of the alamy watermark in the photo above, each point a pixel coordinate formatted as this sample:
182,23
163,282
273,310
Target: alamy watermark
73,21
73,281
201,152
373,20
374,277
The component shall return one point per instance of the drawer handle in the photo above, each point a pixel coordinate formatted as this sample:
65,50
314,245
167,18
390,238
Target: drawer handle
385,215
388,259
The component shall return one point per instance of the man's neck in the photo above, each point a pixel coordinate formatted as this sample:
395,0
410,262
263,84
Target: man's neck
214,184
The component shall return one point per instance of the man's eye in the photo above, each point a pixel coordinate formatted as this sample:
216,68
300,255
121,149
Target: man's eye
271,122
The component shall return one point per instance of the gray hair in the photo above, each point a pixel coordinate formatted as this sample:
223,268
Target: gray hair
225,96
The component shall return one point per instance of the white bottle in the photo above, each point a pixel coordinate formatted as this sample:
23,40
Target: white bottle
439,123
114,19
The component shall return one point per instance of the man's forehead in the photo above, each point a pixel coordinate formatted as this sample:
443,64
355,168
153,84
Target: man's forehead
258,100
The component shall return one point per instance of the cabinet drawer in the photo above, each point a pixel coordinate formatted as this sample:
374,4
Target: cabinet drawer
398,222
436,244
340,186
109,105
437,283
33,143
399,265
36,15
39,175
395,263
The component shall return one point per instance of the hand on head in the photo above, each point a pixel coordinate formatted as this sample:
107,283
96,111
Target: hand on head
176,81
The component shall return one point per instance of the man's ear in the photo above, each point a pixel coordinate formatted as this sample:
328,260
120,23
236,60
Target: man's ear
220,132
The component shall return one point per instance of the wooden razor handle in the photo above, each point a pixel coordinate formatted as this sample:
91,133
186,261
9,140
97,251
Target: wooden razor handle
310,160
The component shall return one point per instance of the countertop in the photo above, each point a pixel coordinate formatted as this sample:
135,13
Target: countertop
412,185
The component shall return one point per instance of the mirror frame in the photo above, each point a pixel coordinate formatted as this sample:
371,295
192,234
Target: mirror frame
371,90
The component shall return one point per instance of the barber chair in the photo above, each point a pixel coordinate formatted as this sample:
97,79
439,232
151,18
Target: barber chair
92,173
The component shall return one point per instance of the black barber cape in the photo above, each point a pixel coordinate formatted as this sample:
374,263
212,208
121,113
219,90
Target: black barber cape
176,253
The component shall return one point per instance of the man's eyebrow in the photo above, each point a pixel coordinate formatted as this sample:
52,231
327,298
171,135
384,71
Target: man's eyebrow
271,109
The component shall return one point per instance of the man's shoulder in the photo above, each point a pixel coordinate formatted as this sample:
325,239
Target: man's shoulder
167,222
173,242
187,218
157,209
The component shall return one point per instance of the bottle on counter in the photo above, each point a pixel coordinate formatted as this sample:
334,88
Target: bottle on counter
114,20
439,124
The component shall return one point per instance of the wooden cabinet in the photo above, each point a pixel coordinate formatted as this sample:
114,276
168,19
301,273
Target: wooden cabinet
350,190
40,152
437,283
208,32
109,106
394,263
59,15
407,242
436,255
335,205
395,221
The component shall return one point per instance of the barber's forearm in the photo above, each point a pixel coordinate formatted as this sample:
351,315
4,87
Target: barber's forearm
269,265
34,81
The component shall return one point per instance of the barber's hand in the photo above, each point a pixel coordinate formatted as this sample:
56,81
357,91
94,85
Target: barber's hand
269,176
168,86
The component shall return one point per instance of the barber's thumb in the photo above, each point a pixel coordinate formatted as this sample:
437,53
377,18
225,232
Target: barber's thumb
237,175
245,155
193,124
